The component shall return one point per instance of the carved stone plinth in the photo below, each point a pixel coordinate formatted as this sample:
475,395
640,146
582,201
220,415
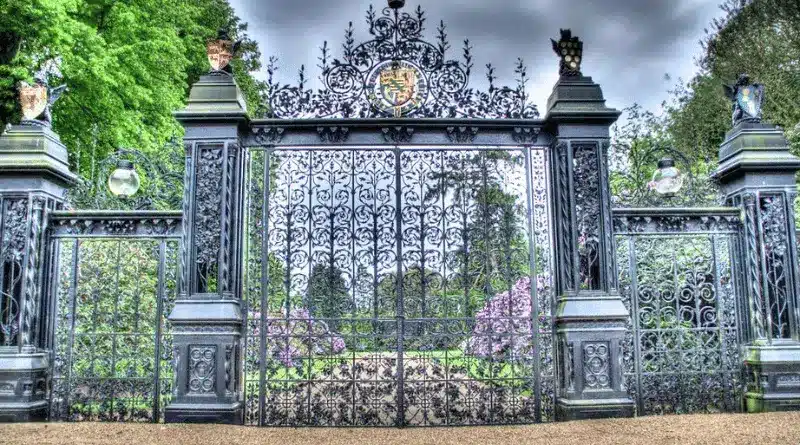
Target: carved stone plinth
206,342
773,377
23,385
590,332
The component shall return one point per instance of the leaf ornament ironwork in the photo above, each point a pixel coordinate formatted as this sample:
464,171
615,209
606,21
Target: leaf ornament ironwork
398,74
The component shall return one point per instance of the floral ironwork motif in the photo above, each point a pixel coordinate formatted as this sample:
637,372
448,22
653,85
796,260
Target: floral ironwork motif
586,182
434,235
776,247
595,365
14,214
397,73
72,223
208,218
113,355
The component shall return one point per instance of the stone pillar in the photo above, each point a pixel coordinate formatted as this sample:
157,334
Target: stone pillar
34,177
757,174
207,318
590,315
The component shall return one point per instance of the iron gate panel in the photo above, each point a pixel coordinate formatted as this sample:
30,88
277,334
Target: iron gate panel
677,278
335,338
112,342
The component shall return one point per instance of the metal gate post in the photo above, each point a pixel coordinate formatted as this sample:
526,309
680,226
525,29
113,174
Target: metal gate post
34,177
590,316
757,174
207,318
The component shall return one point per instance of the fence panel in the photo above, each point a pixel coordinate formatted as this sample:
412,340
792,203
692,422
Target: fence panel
677,278
115,283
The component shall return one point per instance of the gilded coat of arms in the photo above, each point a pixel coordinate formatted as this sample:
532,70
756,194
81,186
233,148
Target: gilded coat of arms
397,87
220,53
32,100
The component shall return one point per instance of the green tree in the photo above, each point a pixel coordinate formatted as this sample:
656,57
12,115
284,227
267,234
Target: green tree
637,145
759,37
327,292
128,66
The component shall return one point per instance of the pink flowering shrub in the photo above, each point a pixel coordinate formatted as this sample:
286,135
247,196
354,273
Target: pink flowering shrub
503,327
297,336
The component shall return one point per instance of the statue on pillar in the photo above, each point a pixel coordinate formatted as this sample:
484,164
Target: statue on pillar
570,49
37,101
747,98
221,51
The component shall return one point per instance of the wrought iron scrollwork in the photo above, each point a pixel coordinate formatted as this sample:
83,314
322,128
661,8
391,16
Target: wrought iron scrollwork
397,73
14,214
586,180
681,351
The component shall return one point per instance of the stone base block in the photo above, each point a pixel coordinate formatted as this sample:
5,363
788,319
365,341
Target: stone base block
23,412
23,385
765,403
231,414
593,409
773,376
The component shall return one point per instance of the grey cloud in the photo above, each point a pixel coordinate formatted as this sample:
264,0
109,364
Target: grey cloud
629,44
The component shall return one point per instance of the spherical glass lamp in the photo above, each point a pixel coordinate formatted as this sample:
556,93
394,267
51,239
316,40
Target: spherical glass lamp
667,180
124,181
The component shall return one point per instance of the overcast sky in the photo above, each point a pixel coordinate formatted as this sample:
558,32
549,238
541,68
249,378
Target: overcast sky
628,44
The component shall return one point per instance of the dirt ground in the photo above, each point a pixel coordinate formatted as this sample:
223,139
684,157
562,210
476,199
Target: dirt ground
728,429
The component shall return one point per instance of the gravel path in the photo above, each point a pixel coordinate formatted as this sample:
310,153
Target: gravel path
716,429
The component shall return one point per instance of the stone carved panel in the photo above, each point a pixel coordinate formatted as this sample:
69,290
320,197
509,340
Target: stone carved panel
596,356
202,369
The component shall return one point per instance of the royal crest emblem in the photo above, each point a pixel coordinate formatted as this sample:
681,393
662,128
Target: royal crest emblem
32,100
747,99
397,87
220,53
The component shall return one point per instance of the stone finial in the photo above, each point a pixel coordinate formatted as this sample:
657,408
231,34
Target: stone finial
747,98
570,49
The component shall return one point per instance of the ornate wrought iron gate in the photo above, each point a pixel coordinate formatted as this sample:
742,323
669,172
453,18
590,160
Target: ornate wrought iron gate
678,278
115,280
394,286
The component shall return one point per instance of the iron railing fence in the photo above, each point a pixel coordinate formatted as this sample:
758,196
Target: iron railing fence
114,281
680,279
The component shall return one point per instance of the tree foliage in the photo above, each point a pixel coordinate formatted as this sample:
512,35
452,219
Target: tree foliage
638,144
128,66
757,37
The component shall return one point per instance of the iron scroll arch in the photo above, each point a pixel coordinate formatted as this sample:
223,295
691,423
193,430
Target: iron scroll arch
398,74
